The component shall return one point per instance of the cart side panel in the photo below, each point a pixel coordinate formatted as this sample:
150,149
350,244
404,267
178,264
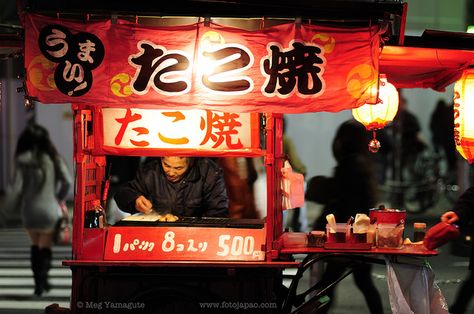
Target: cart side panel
90,173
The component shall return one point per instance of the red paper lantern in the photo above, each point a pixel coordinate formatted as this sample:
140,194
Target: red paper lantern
464,115
376,116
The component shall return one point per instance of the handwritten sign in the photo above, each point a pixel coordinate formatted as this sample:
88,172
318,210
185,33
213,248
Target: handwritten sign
185,243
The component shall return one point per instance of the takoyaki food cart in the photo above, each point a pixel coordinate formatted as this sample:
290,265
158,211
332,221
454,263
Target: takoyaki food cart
148,85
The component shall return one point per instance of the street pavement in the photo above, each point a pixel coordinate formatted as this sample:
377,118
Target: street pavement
16,278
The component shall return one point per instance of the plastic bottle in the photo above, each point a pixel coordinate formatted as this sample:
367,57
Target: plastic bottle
95,216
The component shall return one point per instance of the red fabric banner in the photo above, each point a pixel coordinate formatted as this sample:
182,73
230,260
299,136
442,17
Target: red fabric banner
287,68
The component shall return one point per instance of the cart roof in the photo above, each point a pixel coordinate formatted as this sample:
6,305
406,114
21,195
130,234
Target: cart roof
434,60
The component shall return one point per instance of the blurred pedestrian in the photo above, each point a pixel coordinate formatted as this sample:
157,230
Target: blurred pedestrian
442,133
260,187
43,181
462,213
351,190
407,139
239,176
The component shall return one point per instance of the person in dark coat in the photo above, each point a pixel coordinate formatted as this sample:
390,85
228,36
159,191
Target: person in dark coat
351,190
462,214
181,186
406,130
353,187
442,131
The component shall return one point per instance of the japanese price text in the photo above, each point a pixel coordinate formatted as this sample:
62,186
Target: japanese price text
222,246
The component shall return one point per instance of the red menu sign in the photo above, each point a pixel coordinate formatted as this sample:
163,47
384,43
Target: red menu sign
185,243
136,130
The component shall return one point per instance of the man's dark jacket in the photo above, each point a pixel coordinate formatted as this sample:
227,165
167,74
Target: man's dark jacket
202,191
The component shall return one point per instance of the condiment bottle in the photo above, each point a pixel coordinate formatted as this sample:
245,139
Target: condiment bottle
95,216
371,234
419,231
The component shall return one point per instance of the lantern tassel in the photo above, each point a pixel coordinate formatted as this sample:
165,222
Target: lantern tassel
374,144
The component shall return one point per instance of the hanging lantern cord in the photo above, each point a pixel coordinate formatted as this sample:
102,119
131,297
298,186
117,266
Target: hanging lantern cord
374,144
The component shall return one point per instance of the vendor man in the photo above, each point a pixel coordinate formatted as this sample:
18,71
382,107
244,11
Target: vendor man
182,186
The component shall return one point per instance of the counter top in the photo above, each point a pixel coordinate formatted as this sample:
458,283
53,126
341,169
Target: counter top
407,249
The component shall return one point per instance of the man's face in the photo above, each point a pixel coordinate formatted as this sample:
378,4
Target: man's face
175,167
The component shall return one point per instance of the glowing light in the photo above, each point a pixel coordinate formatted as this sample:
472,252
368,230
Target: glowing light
210,41
186,129
377,116
464,115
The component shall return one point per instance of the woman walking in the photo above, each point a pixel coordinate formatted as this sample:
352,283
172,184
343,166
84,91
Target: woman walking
43,181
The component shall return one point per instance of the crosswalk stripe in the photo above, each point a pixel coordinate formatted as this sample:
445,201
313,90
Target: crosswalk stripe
23,263
53,293
26,248
29,281
16,277
19,272
19,250
28,305
22,255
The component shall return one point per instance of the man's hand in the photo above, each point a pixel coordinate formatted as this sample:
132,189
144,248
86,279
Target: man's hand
143,205
449,217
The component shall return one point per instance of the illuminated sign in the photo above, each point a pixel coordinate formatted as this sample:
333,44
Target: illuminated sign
185,243
136,129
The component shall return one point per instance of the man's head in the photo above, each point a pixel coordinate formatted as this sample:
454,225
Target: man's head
175,167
